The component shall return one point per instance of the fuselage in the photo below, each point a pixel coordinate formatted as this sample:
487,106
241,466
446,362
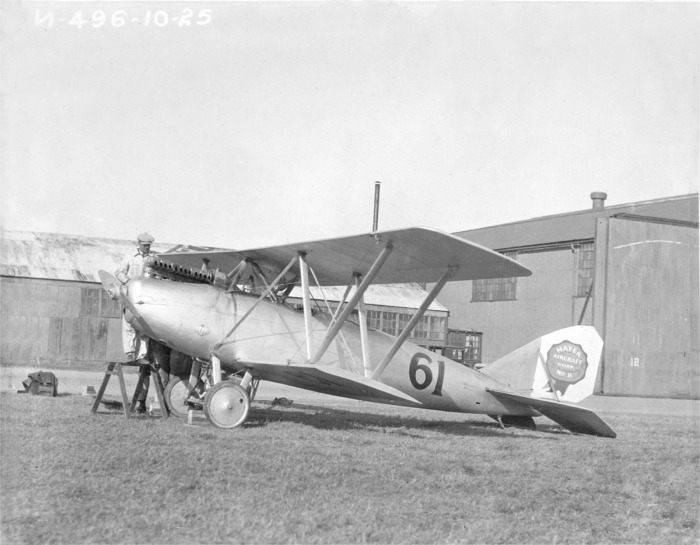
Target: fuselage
198,318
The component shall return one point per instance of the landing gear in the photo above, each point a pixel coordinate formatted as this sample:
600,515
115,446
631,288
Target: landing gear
177,397
224,399
226,405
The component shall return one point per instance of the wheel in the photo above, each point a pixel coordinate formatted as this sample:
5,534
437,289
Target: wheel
226,405
175,395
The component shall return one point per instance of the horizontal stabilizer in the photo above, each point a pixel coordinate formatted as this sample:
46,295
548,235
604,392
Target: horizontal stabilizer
572,417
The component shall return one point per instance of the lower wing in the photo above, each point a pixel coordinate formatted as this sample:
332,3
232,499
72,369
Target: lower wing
336,382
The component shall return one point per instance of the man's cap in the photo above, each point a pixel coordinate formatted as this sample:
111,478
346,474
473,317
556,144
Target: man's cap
145,238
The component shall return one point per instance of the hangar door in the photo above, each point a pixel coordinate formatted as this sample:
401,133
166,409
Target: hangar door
649,307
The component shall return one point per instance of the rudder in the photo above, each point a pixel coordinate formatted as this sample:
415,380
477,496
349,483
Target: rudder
561,366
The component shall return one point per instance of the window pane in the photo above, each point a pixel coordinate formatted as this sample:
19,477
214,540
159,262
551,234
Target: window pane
473,350
389,323
109,308
90,301
586,265
495,289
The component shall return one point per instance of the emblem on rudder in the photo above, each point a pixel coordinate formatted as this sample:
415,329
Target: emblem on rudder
566,364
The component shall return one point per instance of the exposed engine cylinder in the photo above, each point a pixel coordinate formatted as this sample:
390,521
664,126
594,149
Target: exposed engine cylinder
173,271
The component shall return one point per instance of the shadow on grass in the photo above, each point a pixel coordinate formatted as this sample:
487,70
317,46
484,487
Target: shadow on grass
328,418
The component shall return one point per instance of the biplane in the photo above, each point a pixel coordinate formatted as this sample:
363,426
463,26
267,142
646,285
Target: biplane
232,316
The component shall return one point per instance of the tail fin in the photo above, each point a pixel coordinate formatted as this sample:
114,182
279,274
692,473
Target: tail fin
560,366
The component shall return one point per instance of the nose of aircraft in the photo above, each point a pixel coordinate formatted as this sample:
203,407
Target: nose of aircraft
128,295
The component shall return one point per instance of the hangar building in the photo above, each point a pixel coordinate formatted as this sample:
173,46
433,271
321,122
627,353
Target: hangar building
630,270
53,307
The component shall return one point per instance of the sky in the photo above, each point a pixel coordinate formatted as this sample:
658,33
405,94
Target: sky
239,125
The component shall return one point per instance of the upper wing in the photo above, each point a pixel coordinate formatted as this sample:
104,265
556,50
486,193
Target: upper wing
419,255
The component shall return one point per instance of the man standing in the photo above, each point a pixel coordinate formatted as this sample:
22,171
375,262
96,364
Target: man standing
136,343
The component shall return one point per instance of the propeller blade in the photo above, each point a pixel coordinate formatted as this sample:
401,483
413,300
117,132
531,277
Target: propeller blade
117,291
110,284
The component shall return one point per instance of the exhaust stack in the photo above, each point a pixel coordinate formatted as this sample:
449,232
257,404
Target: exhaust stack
375,222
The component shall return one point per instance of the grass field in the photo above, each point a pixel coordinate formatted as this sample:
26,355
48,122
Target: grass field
362,474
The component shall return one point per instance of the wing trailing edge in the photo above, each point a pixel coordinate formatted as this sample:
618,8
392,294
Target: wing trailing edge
572,417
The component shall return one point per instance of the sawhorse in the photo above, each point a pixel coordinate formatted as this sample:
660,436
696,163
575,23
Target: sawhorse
115,368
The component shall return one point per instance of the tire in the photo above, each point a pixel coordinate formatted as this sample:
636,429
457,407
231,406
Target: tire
175,395
226,405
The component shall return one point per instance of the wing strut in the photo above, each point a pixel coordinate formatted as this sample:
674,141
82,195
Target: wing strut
304,270
235,275
449,273
359,292
261,276
260,299
362,315
342,302
337,310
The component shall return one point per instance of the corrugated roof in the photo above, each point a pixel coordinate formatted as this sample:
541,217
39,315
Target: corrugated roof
577,225
76,258
62,257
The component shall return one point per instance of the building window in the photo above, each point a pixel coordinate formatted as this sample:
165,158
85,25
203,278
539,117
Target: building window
374,319
422,329
464,346
96,302
437,328
495,289
431,328
109,308
586,264
393,323
389,323
90,301
472,354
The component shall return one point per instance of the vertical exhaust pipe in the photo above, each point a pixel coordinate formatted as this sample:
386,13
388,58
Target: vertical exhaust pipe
375,221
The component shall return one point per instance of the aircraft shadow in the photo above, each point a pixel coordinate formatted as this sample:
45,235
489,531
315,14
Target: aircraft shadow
328,418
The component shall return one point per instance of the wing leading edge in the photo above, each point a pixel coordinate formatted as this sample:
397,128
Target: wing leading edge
419,255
